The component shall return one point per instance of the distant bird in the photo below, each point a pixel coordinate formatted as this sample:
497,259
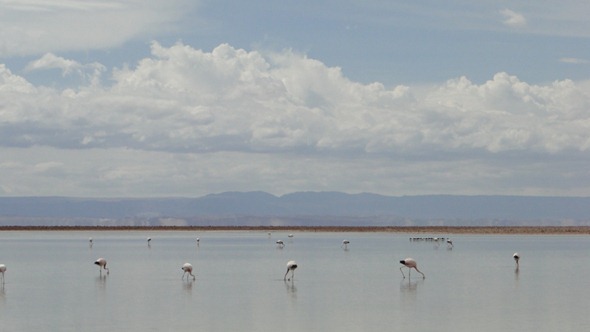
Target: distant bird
291,266
280,243
449,243
198,241
516,257
187,268
2,270
290,235
149,241
90,242
102,264
410,263
345,244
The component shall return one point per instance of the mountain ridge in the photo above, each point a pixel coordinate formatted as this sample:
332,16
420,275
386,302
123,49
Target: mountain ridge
298,208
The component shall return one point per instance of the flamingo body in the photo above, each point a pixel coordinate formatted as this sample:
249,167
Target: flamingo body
2,270
291,266
102,265
187,268
410,263
516,257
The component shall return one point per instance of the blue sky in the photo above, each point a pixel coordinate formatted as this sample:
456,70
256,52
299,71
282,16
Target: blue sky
184,98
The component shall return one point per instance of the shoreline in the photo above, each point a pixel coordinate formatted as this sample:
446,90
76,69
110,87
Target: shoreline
570,230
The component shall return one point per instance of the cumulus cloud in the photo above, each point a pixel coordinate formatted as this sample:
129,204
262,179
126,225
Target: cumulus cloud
187,100
90,72
512,18
184,118
51,61
31,27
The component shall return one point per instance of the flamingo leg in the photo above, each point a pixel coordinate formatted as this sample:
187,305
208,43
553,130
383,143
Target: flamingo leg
285,277
400,269
423,276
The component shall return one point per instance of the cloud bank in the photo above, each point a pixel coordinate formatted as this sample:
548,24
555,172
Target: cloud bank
283,122
229,99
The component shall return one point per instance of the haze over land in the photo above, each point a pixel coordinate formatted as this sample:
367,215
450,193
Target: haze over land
298,209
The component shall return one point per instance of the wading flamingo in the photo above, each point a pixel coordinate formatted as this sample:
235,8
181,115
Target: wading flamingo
2,270
187,268
102,264
291,266
410,263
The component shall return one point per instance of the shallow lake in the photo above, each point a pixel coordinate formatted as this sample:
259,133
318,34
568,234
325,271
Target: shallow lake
51,283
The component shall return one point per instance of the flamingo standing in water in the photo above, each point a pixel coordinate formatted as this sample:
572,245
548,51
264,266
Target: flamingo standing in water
102,264
410,263
2,270
516,257
280,244
291,266
345,244
187,268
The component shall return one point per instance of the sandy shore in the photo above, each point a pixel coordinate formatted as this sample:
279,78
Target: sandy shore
390,229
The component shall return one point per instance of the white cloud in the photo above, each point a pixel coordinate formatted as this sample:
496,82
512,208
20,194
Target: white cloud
512,18
575,61
31,27
183,99
184,116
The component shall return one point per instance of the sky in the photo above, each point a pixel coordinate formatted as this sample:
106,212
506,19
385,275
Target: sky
182,98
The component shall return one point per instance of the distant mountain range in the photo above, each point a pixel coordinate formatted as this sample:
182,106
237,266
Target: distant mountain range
298,209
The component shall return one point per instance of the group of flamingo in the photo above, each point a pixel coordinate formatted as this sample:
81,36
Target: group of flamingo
187,268
410,263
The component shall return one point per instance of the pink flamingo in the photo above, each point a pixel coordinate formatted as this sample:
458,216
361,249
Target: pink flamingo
187,268
102,264
410,263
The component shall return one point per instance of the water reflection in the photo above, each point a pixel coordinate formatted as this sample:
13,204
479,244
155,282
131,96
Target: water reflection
101,282
188,286
291,289
409,286
2,295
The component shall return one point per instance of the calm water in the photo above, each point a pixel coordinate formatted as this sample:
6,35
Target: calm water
52,285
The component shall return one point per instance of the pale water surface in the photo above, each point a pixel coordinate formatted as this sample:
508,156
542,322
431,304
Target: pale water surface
52,285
